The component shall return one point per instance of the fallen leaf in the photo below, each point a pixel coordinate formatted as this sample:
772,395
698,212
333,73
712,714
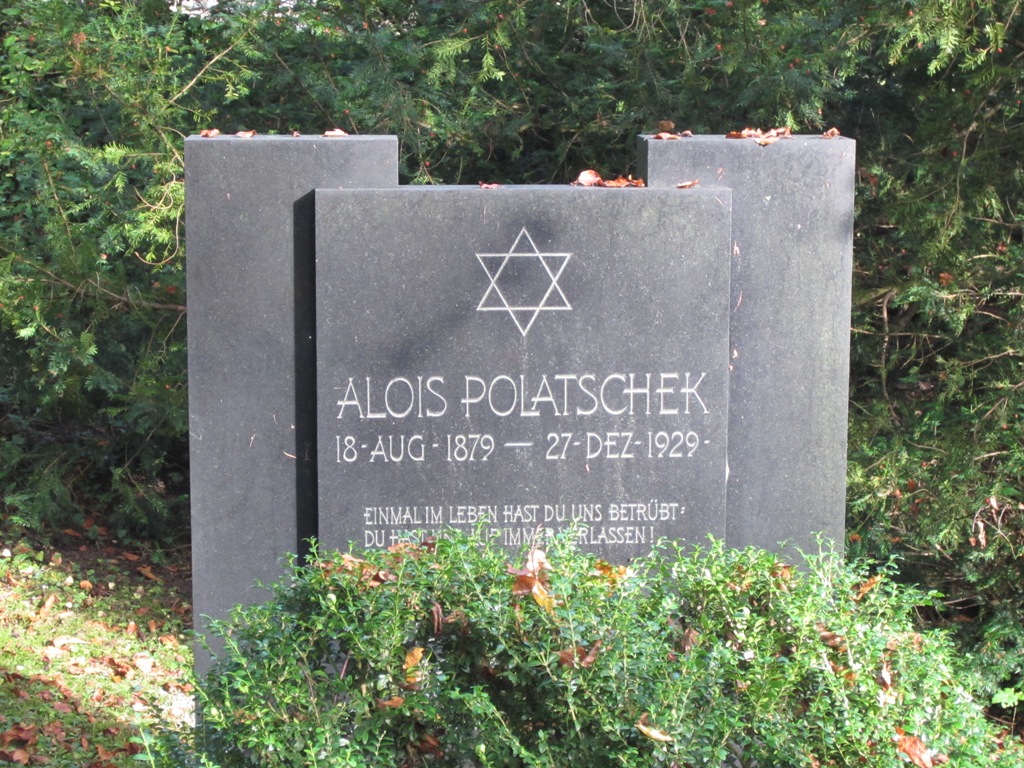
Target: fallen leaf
430,745
690,637
688,184
129,556
588,178
413,673
625,181
543,598
591,657
651,732
485,185
918,752
295,134
147,571
245,134
866,587
393,703
831,639
437,614
209,133
764,138
48,603
567,658
104,753
64,641
335,132
831,133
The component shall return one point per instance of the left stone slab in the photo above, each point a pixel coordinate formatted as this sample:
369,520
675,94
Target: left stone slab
251,323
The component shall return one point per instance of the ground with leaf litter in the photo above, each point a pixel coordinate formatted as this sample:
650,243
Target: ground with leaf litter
93,647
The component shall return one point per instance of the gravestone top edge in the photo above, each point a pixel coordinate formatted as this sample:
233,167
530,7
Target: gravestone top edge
307,137
411,189
796,138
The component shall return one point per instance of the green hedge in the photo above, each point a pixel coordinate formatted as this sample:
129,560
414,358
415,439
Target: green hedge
451,654
97,95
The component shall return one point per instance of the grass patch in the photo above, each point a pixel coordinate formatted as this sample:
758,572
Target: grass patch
94,648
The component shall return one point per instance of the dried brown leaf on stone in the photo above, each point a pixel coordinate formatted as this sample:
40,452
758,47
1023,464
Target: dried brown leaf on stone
764,138
209,133
589,178
335,133
245,134
831,133
625,181
688,184
488,185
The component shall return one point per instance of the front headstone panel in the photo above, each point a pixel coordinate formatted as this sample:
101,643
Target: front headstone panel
522,360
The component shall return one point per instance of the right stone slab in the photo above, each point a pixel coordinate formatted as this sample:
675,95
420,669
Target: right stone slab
791,272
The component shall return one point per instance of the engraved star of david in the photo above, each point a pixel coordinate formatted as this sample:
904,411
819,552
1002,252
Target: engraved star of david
524,282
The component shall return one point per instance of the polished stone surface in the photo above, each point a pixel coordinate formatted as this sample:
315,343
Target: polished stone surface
789,325
521,358
249,214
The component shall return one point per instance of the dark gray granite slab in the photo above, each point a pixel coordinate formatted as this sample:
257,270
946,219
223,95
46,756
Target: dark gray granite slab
790,325
521,358
249,213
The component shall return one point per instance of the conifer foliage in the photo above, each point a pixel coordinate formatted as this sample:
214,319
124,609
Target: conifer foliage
96,97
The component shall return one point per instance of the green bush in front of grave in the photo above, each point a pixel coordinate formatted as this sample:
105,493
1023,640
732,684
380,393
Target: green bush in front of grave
458,653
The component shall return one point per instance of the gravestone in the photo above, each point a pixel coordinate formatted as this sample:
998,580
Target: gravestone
789,325
249,212
369,363
522,359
